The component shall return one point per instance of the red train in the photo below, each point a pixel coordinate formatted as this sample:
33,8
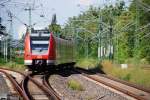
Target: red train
44,50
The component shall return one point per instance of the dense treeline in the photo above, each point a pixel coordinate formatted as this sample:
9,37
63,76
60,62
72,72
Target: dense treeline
123,30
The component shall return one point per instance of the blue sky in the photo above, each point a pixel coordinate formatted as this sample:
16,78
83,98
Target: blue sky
63,9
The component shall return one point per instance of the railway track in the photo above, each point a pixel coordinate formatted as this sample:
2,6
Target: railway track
134,91
15,84
46,83
42,82
23,88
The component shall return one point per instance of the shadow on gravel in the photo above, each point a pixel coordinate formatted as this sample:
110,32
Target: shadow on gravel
95,70
98,69
65,71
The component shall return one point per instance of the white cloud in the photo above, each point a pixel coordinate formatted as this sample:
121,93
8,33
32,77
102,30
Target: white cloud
39,27
21,31
85,2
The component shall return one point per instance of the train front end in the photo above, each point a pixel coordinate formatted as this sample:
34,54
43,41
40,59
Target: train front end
39,49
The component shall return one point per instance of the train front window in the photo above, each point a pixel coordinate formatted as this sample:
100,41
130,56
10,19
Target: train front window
39,46
39,41
39,49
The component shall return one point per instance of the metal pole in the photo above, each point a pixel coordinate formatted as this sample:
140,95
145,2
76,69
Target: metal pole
10,33
30,23
100,38
137,23
6,49
30,19
87,49
110,37
76,41
110,43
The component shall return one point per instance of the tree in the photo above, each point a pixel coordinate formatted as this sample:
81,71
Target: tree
54,27
142,16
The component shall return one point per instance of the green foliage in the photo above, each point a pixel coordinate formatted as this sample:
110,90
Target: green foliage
116,24
134,74
19,60
15,63
126,77
55,28
145,53
87,63
75,85
143,18
2,61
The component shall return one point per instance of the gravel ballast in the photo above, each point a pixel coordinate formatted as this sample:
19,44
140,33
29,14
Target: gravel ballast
91,90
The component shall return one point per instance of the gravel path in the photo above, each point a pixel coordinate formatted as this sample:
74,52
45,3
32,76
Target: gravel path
91,90
4,91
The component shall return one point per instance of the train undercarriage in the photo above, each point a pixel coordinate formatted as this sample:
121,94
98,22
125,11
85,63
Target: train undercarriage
44,67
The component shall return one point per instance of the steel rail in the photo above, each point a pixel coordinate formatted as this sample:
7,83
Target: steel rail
118,80
46,83
41,86
24,87
86,74
16,85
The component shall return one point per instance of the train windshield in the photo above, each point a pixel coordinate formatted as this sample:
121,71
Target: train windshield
39,46
39,42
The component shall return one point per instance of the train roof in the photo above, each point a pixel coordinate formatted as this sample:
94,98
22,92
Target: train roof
39,33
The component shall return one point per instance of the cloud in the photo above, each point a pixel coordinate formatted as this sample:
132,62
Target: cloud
85,2
21,31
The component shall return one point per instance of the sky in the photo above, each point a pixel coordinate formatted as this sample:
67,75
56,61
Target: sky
63,9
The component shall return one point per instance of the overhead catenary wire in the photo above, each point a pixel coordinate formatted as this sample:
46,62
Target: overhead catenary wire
1,3
14,16
143,5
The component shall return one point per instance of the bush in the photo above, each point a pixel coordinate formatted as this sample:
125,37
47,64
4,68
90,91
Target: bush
87,63
75,85
19,60
126,77
2,61
134,73
16,64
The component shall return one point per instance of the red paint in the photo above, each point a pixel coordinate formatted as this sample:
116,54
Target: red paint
37,57
51,54
27,48
52,48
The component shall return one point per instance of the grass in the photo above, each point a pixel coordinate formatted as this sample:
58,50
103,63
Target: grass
75,85
19,60
13,65
16,64
134,73
87,63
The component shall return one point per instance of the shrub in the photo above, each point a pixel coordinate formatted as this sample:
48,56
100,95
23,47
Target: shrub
75,85
134,73
127,77
87,63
